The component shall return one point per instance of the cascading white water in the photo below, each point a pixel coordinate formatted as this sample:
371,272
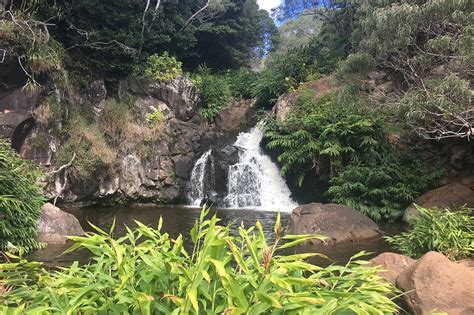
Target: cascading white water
196,192
255,182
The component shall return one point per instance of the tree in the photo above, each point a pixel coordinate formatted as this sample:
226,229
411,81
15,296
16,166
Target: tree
428,45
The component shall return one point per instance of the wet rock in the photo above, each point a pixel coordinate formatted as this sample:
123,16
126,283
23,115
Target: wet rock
393,263
452,195
54,225
338,223
436,283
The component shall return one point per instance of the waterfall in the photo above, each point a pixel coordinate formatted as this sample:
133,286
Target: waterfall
253,182
196,192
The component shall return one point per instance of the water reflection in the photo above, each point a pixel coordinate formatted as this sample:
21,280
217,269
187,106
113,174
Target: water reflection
180,220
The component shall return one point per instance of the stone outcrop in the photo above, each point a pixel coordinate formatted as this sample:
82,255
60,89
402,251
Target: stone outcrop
452,195
338,223
393,264
54,225
153,168
436,283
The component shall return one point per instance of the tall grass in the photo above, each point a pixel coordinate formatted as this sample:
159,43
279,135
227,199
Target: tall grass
148,272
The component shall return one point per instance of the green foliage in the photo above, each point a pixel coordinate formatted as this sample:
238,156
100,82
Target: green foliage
37,53
448,232
21,200
282,73
163,68
443,111
355,68
215,91
147,272
224,34
383,188
320,134
155,118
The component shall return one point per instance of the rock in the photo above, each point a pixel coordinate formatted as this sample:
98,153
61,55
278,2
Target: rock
283,105
16,108
436,283
131,176
452,195
181,95
183,165
339,223
54,225
237,116
97,94
393,263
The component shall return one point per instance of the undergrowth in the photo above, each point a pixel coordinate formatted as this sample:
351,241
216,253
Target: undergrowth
148,272
450,232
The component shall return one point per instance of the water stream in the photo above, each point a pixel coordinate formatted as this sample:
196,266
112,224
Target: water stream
254,181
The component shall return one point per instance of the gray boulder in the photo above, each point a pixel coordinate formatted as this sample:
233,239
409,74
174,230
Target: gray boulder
338,223
54,225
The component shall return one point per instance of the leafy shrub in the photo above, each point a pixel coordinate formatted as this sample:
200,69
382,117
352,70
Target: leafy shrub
448,232
320,134
215,89
162,68
240,82
21,200
282,73
382,189
155,118
147,272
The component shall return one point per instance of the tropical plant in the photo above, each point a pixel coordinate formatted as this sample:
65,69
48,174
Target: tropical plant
383,188
148,272
321,135
448,232
21,200
282,72
215,90
163,68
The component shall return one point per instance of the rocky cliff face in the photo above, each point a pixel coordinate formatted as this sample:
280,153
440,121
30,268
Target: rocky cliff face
157,172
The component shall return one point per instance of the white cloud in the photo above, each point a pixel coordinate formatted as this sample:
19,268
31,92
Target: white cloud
268,4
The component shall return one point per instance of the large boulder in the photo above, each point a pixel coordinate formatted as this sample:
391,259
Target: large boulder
452,195
54,225
339,223
393,264
436,283
180,95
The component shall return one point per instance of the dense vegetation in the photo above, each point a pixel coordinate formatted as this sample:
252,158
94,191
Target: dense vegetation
344,140
445,231
21,200
147,272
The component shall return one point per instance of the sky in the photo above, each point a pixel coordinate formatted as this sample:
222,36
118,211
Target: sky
268,4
